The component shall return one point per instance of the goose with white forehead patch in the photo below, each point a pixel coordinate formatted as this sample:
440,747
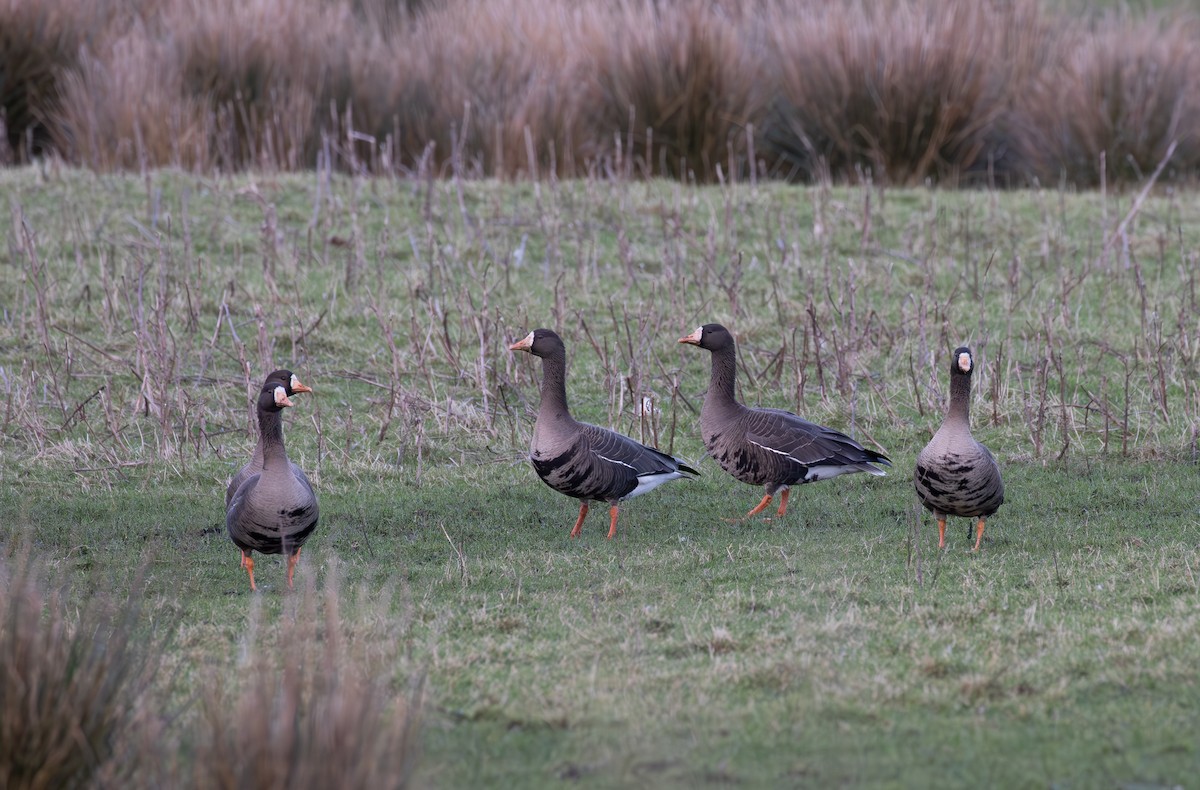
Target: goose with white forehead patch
587,462
955,474
291,385
771,448
274,511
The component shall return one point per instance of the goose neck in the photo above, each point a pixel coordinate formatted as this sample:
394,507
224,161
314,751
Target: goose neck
960,399
270,427
554,384
721,380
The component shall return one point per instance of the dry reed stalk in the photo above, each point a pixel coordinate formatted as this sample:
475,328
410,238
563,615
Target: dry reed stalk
41,42
127,108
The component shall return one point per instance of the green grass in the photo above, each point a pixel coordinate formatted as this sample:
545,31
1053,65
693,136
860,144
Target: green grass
835,646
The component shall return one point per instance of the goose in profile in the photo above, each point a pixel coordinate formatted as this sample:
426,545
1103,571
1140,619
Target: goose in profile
273,511
955,474
292,386
585,461
771,448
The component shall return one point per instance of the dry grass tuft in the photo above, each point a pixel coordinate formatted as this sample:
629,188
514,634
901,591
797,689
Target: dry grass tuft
1122,93
311,704
127,112
266,69
479,87
905,90
669,87
211,85
71,689
38,40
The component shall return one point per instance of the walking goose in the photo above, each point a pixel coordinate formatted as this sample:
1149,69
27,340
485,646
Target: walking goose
956,475
772,448
292,385
581,460
273,511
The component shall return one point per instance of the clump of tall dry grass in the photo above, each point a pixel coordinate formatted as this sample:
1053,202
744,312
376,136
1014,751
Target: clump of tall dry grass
905,90
39,41
670,86
128,109
72,683
226,85
310,704
1123,91
484,88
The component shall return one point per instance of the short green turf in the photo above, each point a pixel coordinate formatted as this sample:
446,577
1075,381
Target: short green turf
834,646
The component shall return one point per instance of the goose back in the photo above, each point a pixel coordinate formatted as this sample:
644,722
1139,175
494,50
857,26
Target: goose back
599,464
775,448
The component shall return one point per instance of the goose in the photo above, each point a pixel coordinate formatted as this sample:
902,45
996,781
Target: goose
292,385
585,461
956,475
273,511
771,448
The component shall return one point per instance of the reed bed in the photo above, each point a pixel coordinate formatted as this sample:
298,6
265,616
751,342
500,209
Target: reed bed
899,92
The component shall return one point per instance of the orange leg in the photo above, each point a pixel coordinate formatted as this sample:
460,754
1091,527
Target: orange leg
941,532
292,560
783,502
612,524
766,500
978,534
583,509
248,564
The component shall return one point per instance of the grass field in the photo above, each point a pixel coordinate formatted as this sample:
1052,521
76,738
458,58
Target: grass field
834,647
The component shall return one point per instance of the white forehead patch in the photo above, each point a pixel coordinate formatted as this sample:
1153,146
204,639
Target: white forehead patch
295,382
964,362
281,397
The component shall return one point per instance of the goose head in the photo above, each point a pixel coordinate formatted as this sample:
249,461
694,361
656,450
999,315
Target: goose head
711,337
540,343
289,380
964,362
274,398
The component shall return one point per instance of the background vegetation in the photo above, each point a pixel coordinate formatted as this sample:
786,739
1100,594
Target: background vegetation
466,172
997,93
